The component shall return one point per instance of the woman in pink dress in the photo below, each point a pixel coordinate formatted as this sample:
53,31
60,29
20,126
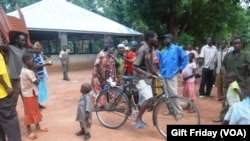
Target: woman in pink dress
104,68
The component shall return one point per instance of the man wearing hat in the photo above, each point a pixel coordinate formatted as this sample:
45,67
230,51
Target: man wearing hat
172,60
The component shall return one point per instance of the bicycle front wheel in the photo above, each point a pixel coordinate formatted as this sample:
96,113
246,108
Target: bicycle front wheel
174,111
112,107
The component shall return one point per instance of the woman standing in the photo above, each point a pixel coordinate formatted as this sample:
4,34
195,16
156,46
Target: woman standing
42,74
104,68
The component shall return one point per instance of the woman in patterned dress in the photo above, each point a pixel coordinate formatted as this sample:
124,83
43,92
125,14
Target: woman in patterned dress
104,68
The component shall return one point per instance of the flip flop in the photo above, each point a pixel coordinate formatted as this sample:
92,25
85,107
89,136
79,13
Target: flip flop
32,136
191,110
139,125
43,130
146,124
217,120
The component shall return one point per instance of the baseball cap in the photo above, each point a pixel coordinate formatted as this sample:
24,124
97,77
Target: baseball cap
133,43
169,36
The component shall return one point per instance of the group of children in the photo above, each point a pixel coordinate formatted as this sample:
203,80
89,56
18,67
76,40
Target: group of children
29,82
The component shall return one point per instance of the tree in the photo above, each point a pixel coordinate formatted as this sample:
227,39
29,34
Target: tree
199,18
10,5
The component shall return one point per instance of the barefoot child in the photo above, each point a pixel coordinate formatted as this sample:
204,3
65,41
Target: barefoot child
29,82
84,111
188,75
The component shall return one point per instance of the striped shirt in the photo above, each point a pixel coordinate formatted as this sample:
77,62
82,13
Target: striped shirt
39,61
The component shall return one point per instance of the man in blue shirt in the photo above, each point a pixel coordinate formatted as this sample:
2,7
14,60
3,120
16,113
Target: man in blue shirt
172,60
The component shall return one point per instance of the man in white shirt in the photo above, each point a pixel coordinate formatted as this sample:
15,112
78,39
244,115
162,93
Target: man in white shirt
64,57
223,50
208,53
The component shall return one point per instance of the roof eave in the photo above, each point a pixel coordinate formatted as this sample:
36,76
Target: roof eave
87,32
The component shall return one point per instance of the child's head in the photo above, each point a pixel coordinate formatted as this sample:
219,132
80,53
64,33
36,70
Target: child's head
28,60
191,57
85,88
231,76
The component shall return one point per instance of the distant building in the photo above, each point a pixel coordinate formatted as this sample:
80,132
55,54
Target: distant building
58,22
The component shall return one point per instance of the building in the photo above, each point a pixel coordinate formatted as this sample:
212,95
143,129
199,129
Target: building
57,22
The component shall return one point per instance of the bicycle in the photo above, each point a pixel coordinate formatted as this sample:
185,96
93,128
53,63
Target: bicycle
165,107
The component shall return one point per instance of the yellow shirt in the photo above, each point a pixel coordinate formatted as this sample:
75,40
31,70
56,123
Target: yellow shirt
4,74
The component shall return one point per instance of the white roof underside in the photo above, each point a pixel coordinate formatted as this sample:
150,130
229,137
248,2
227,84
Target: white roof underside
62,16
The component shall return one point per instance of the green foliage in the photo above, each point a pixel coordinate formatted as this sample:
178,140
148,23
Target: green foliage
185,39
10,5
186,19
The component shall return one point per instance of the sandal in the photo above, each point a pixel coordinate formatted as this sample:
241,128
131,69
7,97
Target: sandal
139,125
191,110
43,130
32,136
217,120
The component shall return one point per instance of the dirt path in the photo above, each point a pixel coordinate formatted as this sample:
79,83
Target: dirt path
59,115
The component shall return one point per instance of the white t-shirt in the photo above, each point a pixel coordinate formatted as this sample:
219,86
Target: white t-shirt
208,53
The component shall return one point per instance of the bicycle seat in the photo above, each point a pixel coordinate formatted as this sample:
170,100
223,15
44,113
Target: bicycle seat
127,77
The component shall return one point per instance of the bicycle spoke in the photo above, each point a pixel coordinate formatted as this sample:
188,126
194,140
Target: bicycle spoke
112,107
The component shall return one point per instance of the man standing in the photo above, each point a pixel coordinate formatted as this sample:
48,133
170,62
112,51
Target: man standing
9,124
172,60
218,65
14,53
143,72
64,57
236,61
208,53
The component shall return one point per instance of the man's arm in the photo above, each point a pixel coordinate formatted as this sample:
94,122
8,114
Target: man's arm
8,89
139,70
3,48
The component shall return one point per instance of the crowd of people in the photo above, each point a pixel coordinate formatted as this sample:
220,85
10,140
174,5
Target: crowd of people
227,68
23,73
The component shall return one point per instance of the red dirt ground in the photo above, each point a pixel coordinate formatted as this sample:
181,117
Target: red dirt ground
60,112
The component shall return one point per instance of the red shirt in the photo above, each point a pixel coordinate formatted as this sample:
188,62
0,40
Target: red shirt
129,65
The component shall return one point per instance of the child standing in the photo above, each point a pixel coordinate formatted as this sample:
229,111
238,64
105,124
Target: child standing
29,82
84,111
233,92
238,114
188,75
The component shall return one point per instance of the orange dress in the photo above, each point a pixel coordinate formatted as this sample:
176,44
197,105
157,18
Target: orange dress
32,114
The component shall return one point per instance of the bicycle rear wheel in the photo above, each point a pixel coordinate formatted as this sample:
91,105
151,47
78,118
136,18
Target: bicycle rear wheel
112,107
165,113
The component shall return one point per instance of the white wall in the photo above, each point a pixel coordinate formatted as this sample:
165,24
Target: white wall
73,58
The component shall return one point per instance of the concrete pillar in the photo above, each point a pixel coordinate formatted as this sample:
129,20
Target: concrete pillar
63,39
